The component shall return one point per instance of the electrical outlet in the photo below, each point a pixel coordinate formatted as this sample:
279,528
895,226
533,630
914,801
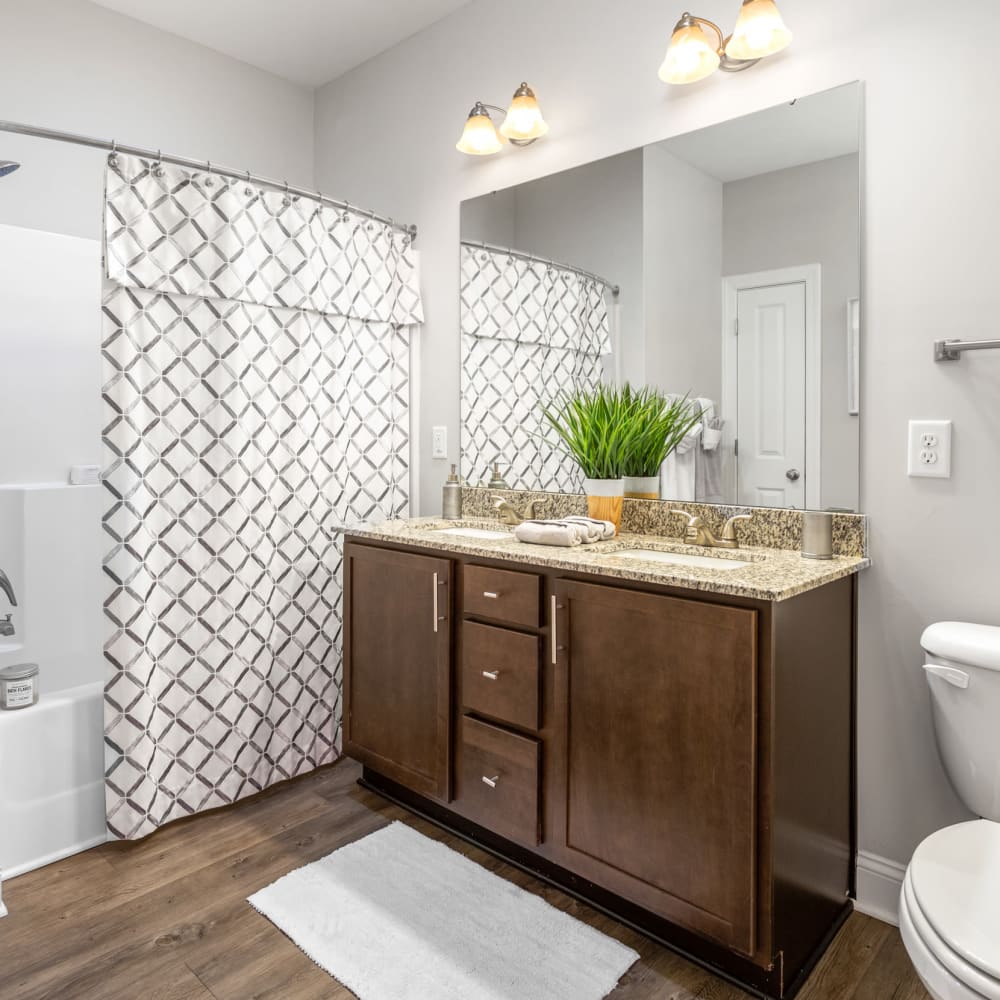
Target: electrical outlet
929,449
439,442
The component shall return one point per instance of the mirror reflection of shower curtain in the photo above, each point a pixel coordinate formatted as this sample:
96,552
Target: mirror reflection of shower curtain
256,364
530,329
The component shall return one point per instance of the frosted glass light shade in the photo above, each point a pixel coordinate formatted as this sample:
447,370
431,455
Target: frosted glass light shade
479,137
690,56
524,117
759,31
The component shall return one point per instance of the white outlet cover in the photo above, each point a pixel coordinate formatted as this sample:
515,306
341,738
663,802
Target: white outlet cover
439,442
928,452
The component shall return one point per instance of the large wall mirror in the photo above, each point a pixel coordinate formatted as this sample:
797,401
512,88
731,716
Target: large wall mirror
722,265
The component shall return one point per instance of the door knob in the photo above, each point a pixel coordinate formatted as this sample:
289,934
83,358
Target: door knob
792,474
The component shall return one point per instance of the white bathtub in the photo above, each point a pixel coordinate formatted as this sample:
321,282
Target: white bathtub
51,779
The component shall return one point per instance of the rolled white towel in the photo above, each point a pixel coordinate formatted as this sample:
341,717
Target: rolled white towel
548,533
597,530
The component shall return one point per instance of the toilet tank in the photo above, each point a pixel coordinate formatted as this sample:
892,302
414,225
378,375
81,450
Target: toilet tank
962,665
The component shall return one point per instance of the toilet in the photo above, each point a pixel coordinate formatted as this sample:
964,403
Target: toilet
949,907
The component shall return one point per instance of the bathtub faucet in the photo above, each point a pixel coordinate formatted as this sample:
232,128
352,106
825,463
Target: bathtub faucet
7,588
6,626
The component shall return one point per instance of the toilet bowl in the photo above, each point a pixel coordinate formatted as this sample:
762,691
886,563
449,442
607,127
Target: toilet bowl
949,908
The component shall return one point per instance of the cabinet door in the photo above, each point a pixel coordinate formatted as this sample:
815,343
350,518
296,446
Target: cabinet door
655,753
397,666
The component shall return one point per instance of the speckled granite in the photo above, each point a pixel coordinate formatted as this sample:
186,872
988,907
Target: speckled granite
770,574
771,528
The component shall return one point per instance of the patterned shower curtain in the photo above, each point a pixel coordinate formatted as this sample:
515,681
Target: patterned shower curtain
256,366
529,329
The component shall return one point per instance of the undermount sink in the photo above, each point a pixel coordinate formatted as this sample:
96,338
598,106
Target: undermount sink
484,533
681,559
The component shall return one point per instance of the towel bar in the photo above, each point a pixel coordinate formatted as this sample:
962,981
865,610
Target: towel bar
951,350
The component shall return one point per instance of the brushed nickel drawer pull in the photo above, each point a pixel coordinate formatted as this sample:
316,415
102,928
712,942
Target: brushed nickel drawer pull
492,782
492,675
435,611
492,594
552,626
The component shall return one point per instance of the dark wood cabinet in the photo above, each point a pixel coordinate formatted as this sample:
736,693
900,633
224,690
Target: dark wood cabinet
397,666
681,759
656,777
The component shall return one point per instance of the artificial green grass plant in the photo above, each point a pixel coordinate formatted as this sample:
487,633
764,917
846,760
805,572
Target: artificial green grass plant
612,432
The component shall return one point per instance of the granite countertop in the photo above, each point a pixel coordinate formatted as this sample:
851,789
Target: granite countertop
768,574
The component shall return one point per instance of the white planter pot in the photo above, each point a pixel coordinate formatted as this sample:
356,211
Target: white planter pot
643,487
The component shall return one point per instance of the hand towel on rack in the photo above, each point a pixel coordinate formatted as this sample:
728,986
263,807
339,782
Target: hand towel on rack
708,464
677,473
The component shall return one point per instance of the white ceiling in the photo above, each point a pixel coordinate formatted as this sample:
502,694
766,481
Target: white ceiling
814,128
306,41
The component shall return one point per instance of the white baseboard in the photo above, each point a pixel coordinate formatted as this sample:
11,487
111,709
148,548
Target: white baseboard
879,883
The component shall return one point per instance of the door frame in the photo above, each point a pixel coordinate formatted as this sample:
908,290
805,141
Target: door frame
732,284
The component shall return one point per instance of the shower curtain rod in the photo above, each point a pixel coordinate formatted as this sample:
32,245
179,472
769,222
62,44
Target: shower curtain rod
113,146
524,255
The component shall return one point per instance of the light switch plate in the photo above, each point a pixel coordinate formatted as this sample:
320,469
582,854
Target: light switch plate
928,451
439,442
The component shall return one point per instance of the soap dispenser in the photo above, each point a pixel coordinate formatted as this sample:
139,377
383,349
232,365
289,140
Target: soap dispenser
498,482
451,503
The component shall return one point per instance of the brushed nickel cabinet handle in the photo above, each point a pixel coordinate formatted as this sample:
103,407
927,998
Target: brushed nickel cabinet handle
553,628
492,675
435,602
492,782
492,594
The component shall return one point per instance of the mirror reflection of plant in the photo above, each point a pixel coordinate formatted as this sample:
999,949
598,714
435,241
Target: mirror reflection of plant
612,431
660,425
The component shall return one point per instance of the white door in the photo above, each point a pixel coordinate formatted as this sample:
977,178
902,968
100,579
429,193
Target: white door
771,395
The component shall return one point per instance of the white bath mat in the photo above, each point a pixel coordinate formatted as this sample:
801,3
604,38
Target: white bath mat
397,916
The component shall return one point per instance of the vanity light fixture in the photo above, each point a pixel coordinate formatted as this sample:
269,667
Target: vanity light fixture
522,125
759,32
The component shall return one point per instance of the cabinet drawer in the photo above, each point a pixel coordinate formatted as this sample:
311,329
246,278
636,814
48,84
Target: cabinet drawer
500,773
500,674
501,594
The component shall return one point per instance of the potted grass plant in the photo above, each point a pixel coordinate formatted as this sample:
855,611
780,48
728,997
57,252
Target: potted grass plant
659,425
595,428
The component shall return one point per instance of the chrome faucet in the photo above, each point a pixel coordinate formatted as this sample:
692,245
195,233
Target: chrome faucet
508,512
8,588
699,533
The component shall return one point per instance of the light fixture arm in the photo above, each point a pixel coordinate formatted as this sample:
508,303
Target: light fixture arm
726,64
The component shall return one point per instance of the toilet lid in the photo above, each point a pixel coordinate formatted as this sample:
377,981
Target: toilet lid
955,875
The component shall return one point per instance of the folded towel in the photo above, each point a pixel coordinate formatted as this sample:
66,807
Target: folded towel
548,533
596,529
565,531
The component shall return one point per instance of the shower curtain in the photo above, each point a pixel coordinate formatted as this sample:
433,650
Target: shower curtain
255,370
529,330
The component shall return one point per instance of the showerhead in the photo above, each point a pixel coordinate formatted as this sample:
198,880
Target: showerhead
8,167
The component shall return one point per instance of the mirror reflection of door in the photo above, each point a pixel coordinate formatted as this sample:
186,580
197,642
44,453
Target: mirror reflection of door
773,329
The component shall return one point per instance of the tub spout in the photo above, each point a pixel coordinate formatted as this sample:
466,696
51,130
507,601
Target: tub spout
7,588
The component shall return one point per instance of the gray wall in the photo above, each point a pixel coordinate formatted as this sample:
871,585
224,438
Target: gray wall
931,162
807,215
682,254
78,67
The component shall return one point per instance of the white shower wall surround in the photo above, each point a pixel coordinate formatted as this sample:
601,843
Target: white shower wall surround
530,329
256,393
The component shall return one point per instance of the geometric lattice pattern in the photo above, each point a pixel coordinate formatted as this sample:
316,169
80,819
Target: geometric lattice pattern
238,437
173,230
529,330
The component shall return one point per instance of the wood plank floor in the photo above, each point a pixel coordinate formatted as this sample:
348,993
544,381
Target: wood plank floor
166,918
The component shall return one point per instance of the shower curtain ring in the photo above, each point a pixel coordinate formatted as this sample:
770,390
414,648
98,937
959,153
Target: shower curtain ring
158,170
248,190
286,200
208,180
113,157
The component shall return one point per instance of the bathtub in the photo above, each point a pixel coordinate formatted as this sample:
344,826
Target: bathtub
51,779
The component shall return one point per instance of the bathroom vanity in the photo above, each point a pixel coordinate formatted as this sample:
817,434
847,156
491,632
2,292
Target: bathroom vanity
671,743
